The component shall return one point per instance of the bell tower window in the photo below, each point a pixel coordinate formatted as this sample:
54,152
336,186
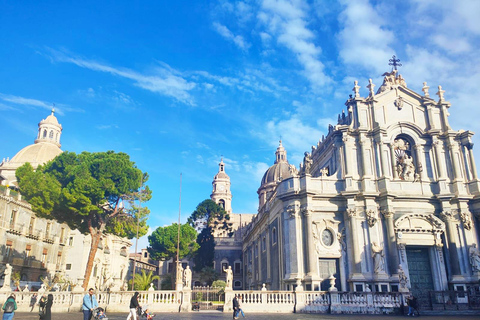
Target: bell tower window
44,134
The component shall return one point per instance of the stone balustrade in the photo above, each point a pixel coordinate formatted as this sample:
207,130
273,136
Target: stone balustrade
252,301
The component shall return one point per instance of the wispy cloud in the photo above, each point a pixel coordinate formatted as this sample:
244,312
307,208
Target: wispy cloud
164,80
227,34
29,102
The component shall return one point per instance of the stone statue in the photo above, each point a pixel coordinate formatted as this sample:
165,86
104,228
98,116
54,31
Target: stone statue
7,276
474,257
307,162
179,273
187,277
229,277
378,258
402,279
26,288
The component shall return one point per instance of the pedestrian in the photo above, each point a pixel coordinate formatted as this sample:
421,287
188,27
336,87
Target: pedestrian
240,310
235,307
89,303
134,305
33,301
412,306
47,311
9,307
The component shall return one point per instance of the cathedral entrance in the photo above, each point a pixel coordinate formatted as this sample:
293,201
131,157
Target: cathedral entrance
327,268
420,271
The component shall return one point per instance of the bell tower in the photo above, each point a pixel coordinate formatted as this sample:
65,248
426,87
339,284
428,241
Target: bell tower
221,189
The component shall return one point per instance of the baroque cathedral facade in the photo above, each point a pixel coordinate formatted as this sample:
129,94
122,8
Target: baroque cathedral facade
388,200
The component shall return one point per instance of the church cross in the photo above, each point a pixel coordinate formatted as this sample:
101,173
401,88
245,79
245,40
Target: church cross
394,62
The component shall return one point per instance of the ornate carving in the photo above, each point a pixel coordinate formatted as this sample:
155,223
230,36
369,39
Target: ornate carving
305,210
405,167
356,89
391,79
466,219
440,93
370,87
292,211
447,216
351,213
402,278
371,216
341,240
324,172
425,90
378,258
399,103
474,258
307,163
401,249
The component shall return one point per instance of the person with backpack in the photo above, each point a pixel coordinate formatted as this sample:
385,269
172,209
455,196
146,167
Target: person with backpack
9,308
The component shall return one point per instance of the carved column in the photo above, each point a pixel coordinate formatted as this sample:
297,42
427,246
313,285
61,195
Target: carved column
453,148
383,159
349,171
392,242
357,265
420,161
449,218
473,166
394,161
312,258
437,145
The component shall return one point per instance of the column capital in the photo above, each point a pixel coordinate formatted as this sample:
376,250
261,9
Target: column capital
305,210
352,212
387,213
292,210
466,218
448,215
371,216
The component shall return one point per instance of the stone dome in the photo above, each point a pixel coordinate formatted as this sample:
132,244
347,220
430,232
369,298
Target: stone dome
51,119
280,169
36,154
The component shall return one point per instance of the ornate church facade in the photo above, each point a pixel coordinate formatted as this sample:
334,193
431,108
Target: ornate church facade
388,200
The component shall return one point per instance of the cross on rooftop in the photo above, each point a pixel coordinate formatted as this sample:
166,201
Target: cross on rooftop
394,62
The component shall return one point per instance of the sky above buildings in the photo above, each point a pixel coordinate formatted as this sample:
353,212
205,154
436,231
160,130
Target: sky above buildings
179,84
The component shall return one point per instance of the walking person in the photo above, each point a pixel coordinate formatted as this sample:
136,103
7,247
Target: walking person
235,307
9,308
89,303
33,301
240,310
47,311
412,306
134,305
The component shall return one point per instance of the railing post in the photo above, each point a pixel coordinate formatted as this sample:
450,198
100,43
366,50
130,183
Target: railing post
186,305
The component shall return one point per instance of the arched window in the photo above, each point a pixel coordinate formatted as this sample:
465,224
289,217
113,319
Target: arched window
44,134
221,203
274,236
51,135
123,251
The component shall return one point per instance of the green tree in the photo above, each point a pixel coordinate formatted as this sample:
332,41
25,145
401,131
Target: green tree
87,192
208,217
208,275
143,280
163,244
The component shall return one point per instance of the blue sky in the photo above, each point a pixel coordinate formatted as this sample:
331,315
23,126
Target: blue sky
178,84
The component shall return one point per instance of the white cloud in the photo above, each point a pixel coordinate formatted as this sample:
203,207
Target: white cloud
287,21
165,81
35,103
364,39
227,34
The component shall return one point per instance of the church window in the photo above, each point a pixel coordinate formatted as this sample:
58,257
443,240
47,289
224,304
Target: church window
237,268
274,236
264,243
221,203
44,134
145,254
51,135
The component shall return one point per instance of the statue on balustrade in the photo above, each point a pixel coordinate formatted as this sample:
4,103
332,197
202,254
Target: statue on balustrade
7,274
474,257
229,277
187,277
179,273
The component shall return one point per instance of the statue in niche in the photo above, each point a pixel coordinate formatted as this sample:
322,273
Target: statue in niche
402,278
378,258
405,167
474,255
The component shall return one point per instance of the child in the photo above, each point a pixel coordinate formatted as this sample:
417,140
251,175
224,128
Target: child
101,314
149,315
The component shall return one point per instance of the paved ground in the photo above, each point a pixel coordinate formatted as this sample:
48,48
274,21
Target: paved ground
220,315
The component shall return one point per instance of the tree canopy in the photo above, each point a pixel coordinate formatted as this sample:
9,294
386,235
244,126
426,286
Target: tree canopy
163,242
92,192
208,217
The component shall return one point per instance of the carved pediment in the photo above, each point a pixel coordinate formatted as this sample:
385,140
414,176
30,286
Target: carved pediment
419,222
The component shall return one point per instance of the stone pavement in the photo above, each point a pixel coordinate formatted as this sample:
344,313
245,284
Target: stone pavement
205,315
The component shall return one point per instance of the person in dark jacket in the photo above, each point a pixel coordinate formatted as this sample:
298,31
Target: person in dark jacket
47,311
236,307
134,305
7,306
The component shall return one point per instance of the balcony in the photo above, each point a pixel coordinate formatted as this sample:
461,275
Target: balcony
48,238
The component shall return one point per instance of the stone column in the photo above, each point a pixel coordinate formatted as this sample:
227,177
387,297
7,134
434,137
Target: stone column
453,148
421,162
383,159
441,174
394,161
449,218
473,166
310,243
392,242
348,156
352,217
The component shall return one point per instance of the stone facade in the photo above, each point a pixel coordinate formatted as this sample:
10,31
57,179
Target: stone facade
389,200
37,247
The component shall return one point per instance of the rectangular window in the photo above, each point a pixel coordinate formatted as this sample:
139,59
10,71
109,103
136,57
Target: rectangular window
47,230
224,265
13,218
70,241
238,268
68,266
28,251
31,226
44,256
170,267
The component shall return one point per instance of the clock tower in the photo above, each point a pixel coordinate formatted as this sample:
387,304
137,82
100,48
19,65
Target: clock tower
221,189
